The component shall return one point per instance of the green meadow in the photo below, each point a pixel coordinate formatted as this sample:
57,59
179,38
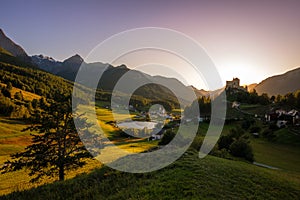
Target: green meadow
189,177
13,140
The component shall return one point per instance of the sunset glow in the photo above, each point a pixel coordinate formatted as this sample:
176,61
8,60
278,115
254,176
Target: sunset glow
243,39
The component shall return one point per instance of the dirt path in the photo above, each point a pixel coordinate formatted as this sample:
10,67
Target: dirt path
264,165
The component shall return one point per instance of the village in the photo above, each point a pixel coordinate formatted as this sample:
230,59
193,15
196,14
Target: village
156,121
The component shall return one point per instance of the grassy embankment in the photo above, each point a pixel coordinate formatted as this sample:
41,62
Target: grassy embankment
188,178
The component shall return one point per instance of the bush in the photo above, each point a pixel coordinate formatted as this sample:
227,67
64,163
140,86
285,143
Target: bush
223,153
236,133
273,127
269,134
247,123
236,143
196,144
6,92
19,96
34,103
167,138
225,141
255,129
241,148
6,106
20,112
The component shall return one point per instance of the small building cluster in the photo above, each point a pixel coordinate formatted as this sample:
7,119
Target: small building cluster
157,136
156,114
283,118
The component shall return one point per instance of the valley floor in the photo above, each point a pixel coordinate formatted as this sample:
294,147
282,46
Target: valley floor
190,176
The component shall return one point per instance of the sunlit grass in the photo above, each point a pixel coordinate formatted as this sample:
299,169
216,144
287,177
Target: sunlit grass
187,178
285,157
28,96
13,140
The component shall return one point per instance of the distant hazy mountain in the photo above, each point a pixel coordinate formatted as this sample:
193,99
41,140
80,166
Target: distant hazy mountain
46,63
69,67
111,75
13,48
280,84
66,69
251,87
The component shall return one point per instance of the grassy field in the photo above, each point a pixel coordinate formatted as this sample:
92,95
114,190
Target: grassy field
13,140
253,109
285,157
286,136
28,96
199,176
282,152
187,178
129,144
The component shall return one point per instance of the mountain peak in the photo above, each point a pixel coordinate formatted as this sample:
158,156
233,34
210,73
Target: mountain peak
76,59
42,57
123,66
44,62
1,32
16,50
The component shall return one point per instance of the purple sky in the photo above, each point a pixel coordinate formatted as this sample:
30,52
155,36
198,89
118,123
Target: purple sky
250,40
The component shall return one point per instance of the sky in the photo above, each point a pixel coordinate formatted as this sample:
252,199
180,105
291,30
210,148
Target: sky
251,40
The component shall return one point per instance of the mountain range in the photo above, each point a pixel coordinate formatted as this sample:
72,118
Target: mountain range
13,48
280,84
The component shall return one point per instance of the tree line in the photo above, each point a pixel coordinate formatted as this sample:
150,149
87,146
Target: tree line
291,99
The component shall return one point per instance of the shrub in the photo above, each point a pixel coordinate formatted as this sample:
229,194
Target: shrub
223,153
236,143
255,129
241,148
19,96
6,92
273,127
247,123
196,144
269,134
6,106
236,133
167,138
225,141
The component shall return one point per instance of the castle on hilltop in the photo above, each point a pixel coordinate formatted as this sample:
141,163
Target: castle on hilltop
235,84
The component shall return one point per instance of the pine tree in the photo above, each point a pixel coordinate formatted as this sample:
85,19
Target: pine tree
9,86
56,146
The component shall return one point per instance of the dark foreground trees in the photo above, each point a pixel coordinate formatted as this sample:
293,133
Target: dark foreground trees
236,143
56,146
